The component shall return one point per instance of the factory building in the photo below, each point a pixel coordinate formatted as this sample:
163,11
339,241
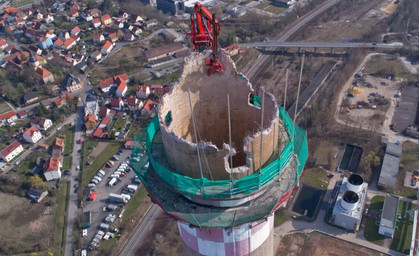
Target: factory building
349,204
389,216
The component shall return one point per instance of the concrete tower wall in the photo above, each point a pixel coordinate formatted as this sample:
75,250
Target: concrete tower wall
247,239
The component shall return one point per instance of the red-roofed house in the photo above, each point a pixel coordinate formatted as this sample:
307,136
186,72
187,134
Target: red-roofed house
129,144
58,43
75,31
60,102
41,123
122,87
48,17
11,11
96,23
3,44
96,55
105,122
94,12
98,132
103,111
149,108
46,76
52,169
69,43
113,37
90,121
98,38
32,134
22,114
157,89
117,103
11,151
232,49
133,104
58,144
106,19
106,84
142,91
8,117
107,47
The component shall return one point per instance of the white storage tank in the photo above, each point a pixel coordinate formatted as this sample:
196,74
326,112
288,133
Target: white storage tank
354,183
349,200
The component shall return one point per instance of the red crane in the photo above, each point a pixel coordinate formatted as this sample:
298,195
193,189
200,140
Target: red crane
204,33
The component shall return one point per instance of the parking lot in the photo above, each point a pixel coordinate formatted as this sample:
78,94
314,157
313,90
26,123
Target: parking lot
96,207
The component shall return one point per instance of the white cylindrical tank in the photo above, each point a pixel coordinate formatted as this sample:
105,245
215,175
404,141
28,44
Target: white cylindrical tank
349,200
354,183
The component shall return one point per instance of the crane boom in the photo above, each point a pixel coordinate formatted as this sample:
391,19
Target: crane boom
204,34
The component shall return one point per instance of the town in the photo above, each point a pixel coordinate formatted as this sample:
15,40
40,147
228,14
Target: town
167,127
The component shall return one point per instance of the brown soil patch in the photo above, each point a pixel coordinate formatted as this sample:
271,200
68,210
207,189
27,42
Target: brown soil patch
317,244
98,149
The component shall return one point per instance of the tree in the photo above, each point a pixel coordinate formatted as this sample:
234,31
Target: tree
36,182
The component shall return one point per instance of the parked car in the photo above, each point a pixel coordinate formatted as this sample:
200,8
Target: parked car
66,172
84,232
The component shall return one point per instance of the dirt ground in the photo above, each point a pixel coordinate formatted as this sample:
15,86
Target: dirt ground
25,226
98,149
317,244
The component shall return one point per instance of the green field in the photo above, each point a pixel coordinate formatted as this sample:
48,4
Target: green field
315,177
403,234
60,220
67,162
281,216
90,171
133,204
410,156
371,229
69,141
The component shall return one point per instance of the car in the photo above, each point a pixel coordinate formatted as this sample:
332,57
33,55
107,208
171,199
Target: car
78,167
76,178
374,43
79,151
66,172
84,232
76,185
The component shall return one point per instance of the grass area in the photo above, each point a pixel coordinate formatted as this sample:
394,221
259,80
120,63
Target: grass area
315,177
391,7
69,141
275,9
119,124
371,229
133,204
133,130
18,3
67,162
169,78
90,171
386,65
89,146
410,156
4,107
324,151
281,216
403,234
60,221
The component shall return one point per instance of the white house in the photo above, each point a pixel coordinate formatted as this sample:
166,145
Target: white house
52,169
41,123
32,134
11,151
107,47
142,92
8,117
96,55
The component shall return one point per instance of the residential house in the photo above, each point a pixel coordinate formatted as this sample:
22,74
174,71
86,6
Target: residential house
232,49
11,11
32,135
96,55
60,102
129,37
35,50
135,18
69,43
137,31
149,108
51,35
133,104
74,13
11,151
48,17
95,12
3,44
159,89
122,87
76,30
109,30
103,111
117,103
98,133
30,97
107,47
104,122
98,38
8,117
58,43
45,43
45,75
41,123
142,91
113,37
72,83
58,146
86,15
22,114
129,144
150,23
106,84
106,19
36,195
96,23
90,121
52,169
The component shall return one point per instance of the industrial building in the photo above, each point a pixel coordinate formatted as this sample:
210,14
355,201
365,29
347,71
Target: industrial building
390,166
175,6
389,216
350,202
223,158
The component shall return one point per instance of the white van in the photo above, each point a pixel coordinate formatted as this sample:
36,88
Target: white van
98,178
95,181
102,172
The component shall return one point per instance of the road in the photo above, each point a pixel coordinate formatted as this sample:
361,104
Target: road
293,28
141,231
284,44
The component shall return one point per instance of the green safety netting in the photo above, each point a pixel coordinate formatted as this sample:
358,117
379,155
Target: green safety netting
221,188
